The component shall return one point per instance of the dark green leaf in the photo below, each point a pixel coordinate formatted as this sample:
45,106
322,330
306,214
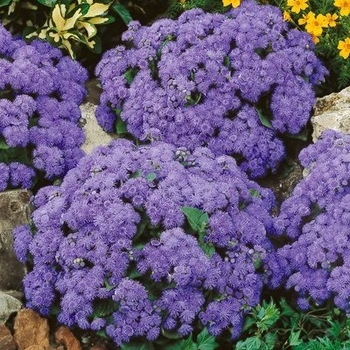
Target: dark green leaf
208,249
264,119
103,308
196,218
48,3
123,13
130,74
206,341
4,2
84,8
121,127
302,135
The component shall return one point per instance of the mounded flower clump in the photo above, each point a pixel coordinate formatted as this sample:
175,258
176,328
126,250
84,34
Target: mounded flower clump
40,94
142,239
233,82
315,219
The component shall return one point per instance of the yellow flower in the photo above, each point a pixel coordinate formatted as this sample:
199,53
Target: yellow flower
314,24
331,19
344,6
286,16
297,5
234,3
306,17
315,38
344,47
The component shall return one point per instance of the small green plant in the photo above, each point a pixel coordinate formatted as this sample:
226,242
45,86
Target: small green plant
278,325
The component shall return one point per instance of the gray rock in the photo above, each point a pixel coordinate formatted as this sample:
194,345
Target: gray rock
14,210
95,135
332,112
8,306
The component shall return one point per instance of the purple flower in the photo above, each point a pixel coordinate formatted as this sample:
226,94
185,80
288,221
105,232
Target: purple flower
314,220
166,81
144,238
41,92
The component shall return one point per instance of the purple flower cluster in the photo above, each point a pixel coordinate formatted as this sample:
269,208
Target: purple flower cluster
213,80
315,219
40,93
161,237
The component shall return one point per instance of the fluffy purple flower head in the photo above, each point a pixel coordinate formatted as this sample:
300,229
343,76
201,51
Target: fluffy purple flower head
40,94
155,234
315,222
232,82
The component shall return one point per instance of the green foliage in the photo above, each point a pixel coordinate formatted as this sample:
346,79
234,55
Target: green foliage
176,7
272,326
172,341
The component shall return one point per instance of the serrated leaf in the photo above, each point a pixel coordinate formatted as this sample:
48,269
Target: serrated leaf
206,341
294,338
188,344
196,218
123,13
133,345
252,343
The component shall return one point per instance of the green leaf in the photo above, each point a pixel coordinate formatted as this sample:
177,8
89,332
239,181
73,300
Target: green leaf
301,135
123,13
188,344
171,334
121,127
252,343
294,338
196,218
151,177
48,3
268,316
4,2
136,345
4,145
206,341
254,193
103,308
130,74
264,119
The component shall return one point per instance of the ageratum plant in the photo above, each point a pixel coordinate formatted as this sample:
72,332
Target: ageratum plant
143,241
232,82
315,220
40,93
